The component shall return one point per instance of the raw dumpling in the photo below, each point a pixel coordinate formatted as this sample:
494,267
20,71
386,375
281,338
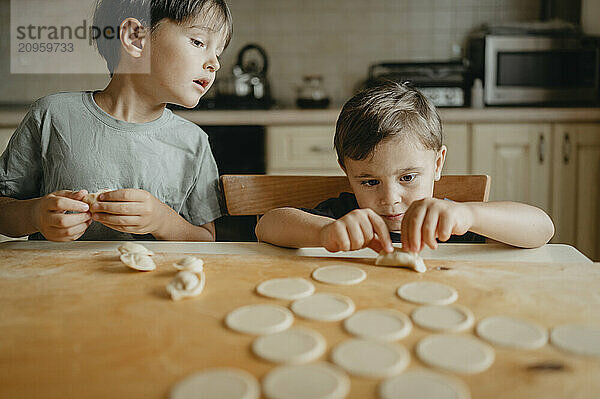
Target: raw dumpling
401,258
190,264
133,248
186,284
92,198
139,262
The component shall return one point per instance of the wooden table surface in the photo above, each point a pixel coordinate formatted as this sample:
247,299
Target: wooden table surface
78,323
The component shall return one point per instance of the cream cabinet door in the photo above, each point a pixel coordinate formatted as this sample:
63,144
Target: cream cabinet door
456,138
301,150
5,134
517,157
576,186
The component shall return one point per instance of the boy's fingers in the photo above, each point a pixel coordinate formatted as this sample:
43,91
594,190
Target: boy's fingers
119,220
119,208
381,231
429,228
60,203
414,229
375,245
444,228
123,195
65,221
76,195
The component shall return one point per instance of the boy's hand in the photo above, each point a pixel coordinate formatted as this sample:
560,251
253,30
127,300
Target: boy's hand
431,218
130,211
54,223
358,229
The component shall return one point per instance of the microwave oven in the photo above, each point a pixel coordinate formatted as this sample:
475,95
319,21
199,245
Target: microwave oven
536,69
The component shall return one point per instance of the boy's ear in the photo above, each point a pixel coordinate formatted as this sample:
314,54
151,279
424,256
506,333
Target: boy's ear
439,162
133,37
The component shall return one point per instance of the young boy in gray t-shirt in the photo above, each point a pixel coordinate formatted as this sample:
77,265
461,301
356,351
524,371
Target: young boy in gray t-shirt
158,166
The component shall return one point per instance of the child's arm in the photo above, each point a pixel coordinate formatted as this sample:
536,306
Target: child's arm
290,227
512,223
47,215
138,212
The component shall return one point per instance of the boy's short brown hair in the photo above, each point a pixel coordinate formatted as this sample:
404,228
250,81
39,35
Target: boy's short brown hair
379,113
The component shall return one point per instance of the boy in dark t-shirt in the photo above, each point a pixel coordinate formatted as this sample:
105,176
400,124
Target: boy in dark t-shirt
389,143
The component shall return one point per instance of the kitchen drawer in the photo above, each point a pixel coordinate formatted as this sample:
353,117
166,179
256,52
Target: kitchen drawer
301,150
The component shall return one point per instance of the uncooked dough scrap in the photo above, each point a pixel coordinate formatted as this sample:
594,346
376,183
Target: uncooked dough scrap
190,264
423,384
286,288
220,383
324,307
134,248
456,353
379,324
259,319
400,258
373,359
512,332
186,284
577,338
92,198
295,345
452,318
309,381
428,293
139,262
339,275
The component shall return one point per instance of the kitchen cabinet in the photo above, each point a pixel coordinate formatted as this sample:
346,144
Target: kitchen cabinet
5,134
576,192
518,158
458,159
301,150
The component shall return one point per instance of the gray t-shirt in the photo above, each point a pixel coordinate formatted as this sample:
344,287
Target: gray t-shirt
67,142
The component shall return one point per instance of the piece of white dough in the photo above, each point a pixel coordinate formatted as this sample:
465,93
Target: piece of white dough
186,284
379,324
220,383
423,384
577,338
286,288
134,248
309,381
259,319
449,318
92,198
428,293
324,307
400,258
295,345
457,353
339,275
143,263
373,359
512,332
190,264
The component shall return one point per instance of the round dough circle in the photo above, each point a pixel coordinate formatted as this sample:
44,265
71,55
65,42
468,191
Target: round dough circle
423,384
339,275
286,288
293,346
451,318
367,358
512,332
309,381
221,383
577,338
259,319
428,293
379,324
457,353
324,307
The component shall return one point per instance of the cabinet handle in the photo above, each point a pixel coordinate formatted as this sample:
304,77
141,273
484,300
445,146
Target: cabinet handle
541,149
566,148
319,149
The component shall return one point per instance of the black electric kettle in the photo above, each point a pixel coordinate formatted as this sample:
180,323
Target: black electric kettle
250,74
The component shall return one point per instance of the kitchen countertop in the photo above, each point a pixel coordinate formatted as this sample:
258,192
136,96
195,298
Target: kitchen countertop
77,323
11,116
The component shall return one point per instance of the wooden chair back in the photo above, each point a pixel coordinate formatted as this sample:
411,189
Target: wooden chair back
257,194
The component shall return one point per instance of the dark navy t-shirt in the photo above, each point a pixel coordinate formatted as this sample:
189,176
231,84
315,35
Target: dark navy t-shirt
335,208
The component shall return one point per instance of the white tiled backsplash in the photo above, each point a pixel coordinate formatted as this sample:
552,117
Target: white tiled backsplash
337,39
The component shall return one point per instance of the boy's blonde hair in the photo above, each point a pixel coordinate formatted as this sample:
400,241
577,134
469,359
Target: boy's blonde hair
379,113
